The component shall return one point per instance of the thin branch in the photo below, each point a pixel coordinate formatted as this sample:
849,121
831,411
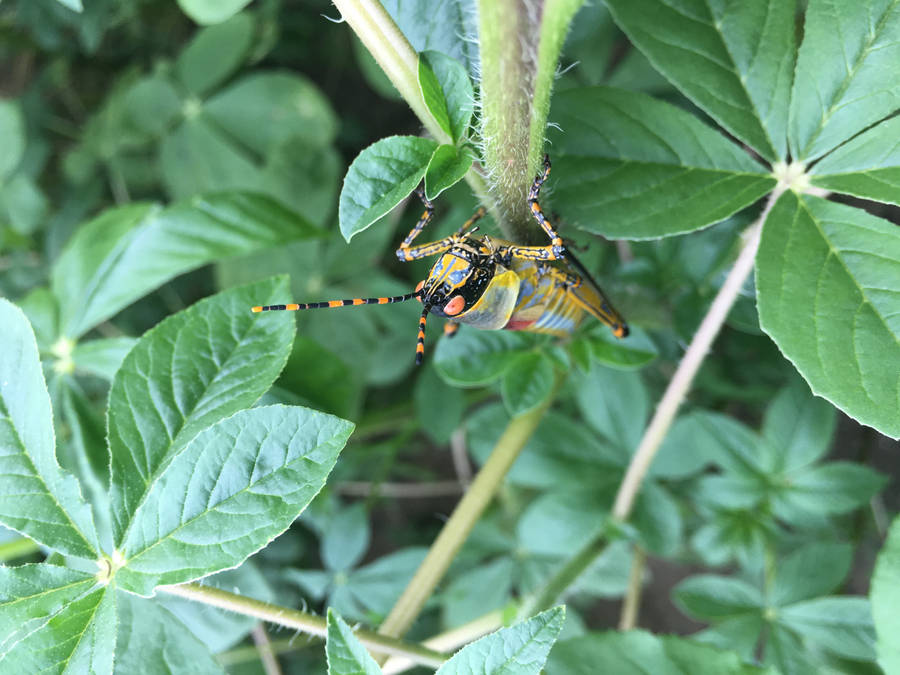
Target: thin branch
631,604
264,649
446,488
308,623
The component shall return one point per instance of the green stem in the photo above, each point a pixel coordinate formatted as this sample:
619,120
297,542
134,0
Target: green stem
520,43
385,41
461,522
668,406
308,623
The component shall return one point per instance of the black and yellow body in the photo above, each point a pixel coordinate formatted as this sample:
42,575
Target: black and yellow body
493,284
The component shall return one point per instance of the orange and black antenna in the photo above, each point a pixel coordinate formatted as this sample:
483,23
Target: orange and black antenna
417,294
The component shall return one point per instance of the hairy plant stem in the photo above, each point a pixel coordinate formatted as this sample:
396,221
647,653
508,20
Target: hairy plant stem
665,412
463,519
308,623
520,41
632,602
385,41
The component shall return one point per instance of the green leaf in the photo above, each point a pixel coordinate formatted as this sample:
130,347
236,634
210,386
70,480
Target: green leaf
37,497
448,166
518,650
632,353
837,487
346,538
787,652
742,452
234,488
439,406
841,625
615,403
12,131
127,252
193,369
734,60
476,357
638,653
207,12
346,655
885,598
447,91
152,104
867,166
559,521
478,591
793,581
74,5
381,177
79,637
707,597
31,594
214,54
840,268
687,449
657,518
377,586
102,357
527,382
739,634
623,159
798,426
152,640
264,110
840,91
22,204
445,27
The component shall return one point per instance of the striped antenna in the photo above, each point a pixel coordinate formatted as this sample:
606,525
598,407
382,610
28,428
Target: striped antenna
293,307
420,340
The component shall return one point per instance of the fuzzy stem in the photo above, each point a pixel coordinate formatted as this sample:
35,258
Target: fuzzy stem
632,602
665,413
461,522
385,41
291,618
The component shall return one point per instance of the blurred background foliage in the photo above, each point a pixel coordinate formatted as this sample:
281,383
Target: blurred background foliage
130,101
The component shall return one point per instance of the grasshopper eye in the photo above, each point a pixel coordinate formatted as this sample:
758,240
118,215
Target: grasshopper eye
455,306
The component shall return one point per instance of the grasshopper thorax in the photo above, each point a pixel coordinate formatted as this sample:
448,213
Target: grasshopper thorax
458,278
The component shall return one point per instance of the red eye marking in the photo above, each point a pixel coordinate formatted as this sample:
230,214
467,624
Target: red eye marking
455,306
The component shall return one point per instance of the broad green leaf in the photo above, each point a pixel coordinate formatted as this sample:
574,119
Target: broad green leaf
264,110
708,597
885,598
841,625
377,586
639,653
31,594
687,449
12,131
214,54
739,634
234,488
798,426
448,166
37,497
733,59
730,491
128,251
346,655
478,591
447,91
786,651
346,538
561,521
632,353
445,27
439,406
102,357
190,371
847,75
630,166
615,403
527,382
657,518
839,268
152,104
22,204
79,637
793,581
741,449
518,650
837,487
152,640
207,12
867,166
381,177
476,357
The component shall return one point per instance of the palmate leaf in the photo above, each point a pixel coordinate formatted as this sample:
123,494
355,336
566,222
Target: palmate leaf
187,373
629,166
828,284
733,59
127,252
234,488
848,73
37,497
